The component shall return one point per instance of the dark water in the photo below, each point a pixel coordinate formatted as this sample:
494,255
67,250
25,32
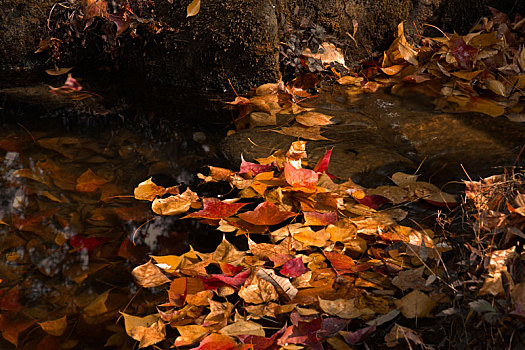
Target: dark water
69,219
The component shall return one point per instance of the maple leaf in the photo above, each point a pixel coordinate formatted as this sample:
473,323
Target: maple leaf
322,163
261,343
89,243
294,268
214,281
253,168
300,177
304,333
266,214
215,209
341,263
464,53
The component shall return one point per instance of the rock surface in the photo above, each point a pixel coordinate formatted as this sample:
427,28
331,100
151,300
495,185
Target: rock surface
378,134
229,39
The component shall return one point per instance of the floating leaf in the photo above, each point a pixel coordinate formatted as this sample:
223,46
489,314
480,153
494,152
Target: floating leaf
148,275
55,327
215,209
253,168
174,205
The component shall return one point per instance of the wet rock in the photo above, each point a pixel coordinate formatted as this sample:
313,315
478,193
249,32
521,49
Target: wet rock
379,134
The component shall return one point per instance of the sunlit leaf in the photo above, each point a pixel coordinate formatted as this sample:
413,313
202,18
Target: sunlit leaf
174,205
215,209
300,177
267,214
193,8
148,275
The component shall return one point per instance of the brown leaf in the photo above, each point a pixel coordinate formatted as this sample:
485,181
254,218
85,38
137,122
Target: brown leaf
174,205
313,119
416,304
282,284
55,327
89,181
258,291
344,308
148,275
243,327
149,335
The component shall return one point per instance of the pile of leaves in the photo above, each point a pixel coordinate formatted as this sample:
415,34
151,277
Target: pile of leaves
329,268
482,71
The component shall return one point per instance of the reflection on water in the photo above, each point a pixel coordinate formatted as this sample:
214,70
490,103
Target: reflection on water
67,219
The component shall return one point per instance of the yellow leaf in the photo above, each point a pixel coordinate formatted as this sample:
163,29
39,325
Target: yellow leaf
190,334
55,327
131,322
97,306
193,8
174,205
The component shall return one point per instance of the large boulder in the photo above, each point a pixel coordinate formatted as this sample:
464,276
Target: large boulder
237,40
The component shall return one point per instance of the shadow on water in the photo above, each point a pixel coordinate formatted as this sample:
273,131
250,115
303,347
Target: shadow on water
68,218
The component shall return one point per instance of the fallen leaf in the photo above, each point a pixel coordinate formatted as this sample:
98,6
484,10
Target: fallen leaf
193,8
215,209
267,214
243,327
416,304
294,268
190,334
302,178
89,181
282,284
148,275
55,327
344,308
174,205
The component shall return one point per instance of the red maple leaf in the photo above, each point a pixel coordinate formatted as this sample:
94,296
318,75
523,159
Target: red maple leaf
215,209
214,281
322,164
464,53
253,168
373,201
300,177
294,268
267,214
